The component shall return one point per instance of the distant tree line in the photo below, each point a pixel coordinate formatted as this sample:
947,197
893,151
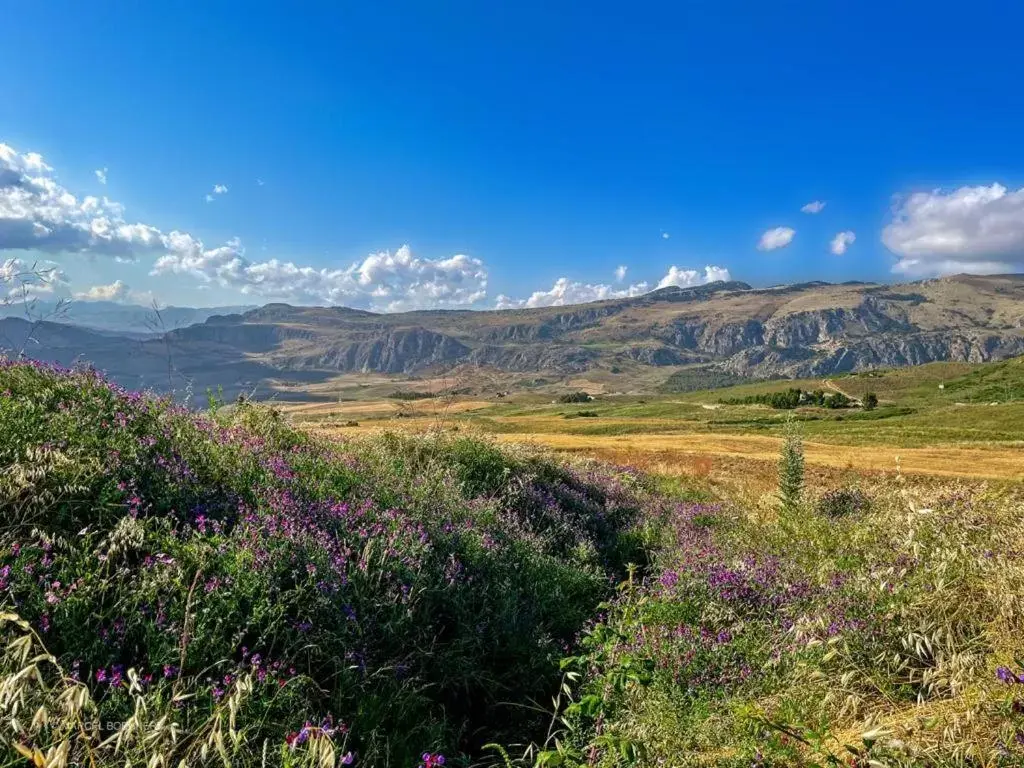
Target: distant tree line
794,397
410,395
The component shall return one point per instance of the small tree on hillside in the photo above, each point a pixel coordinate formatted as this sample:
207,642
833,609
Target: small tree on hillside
791,469
870,401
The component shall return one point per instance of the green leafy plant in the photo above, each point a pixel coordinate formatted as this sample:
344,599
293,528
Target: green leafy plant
791,469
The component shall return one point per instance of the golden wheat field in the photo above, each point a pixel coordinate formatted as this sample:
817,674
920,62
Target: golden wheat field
681,451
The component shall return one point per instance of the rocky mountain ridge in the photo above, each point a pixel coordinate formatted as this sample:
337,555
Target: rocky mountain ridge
807,329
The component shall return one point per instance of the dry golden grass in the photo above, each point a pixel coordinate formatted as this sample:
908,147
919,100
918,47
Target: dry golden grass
947,461
419,411
677,453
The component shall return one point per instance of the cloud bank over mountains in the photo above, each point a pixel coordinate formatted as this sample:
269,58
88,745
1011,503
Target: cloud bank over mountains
977,229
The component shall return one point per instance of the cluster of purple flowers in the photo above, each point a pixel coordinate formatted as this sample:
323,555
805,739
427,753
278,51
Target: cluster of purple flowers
114,676
1006,675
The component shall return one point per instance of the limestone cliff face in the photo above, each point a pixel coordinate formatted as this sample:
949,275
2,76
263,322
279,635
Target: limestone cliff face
392,351
534,357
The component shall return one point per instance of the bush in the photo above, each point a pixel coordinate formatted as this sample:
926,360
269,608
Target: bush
838,400
575,397
842,502
581,415
870,401
267,595
410,395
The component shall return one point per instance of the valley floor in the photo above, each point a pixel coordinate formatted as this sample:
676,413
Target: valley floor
938,420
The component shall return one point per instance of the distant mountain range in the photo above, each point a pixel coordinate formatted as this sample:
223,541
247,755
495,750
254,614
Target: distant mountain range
727,328
129,319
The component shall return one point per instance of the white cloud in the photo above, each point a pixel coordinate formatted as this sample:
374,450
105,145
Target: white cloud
779,237
685,278
101,175
218,189
37,213
971,229
260,182
116,291
816,206
566,291
665,235
385,281
841,242
620,272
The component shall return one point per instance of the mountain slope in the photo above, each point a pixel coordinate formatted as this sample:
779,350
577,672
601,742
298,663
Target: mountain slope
807,329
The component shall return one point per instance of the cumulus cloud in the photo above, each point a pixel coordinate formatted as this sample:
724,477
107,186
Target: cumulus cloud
116,291
816,206
620,272
37,213
387,281
685,278
665,235
101,175
566,291
978,230
841,242
779,237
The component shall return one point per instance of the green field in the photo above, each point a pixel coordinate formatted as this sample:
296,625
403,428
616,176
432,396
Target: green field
919,407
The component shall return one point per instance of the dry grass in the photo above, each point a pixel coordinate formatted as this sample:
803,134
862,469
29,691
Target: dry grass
676,453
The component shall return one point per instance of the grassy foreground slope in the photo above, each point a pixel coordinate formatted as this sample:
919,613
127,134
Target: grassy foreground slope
221,589
224,589
878,629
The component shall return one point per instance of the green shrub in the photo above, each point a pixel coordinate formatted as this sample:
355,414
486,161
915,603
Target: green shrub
838,400
404,394
841,502
870,401
582,415
791,469
575,397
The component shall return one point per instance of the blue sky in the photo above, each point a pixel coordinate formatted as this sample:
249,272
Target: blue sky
534,143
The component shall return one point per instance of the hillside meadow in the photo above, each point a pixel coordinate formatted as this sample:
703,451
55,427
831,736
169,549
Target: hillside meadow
182,588
937,420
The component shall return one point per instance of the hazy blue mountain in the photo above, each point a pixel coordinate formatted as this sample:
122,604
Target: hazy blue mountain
131,319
